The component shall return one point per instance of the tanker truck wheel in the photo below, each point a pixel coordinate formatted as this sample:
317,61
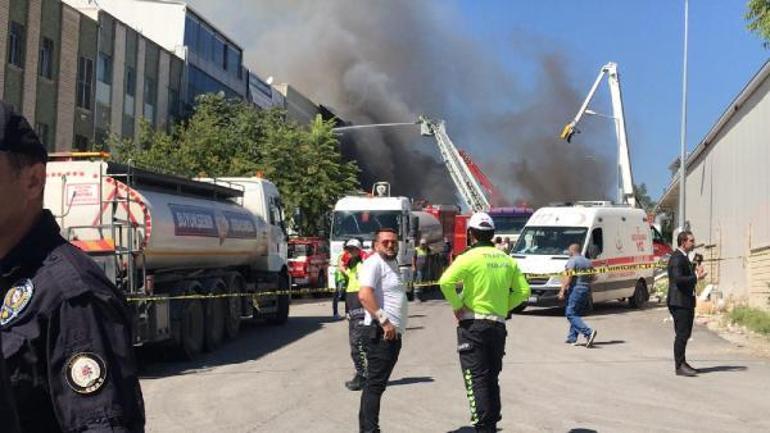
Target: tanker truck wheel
282,313
215,311
233,307
191,323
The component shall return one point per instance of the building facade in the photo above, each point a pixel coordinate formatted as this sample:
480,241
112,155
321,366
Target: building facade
81,75
213,62
727,203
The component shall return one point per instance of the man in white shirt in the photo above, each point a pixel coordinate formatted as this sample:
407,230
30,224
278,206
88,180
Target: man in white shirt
383,296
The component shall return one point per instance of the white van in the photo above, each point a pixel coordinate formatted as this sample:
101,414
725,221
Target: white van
609,235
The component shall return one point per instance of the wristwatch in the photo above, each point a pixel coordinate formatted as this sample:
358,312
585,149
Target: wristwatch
381,316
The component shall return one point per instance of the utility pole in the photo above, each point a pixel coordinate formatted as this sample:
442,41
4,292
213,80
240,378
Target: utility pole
683,134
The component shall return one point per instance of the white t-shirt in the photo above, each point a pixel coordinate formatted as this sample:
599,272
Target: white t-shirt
389,290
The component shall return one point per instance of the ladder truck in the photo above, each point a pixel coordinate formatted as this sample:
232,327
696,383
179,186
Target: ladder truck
625,188
476,190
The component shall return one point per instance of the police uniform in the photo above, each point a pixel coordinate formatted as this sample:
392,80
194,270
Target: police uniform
356,314
493,285
66,333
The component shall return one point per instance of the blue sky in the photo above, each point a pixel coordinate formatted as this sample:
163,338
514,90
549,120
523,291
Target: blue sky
645,38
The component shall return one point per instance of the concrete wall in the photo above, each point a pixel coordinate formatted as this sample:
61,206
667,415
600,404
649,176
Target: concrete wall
45,106
68,66
728,199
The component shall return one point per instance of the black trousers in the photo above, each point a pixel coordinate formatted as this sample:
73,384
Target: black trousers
356,332
481,345
381,357
683,318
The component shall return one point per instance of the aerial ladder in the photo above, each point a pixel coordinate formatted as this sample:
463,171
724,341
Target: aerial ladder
467,184
625,177
496,198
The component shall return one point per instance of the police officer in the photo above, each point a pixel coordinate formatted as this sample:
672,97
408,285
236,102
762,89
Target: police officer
66,332
356,312
493,286
7,403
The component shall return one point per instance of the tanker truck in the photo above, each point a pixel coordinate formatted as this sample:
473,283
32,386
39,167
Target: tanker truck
193,257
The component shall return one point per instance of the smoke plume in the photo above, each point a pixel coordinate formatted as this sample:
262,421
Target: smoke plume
389,61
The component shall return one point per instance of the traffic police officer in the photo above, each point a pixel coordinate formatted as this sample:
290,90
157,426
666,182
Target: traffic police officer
493,285
66,333
356,312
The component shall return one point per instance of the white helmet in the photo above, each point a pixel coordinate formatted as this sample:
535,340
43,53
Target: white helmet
481,221
353,243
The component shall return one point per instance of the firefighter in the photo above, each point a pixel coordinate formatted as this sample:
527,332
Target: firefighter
355,312
420,267
66,329
493,286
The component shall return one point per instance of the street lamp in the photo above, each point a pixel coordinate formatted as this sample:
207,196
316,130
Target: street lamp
683,132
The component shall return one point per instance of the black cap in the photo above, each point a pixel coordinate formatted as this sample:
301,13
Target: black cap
17,136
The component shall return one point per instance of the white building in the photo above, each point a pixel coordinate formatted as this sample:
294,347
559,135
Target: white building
727,189
213,61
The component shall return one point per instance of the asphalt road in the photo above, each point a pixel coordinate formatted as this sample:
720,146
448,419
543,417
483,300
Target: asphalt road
290,379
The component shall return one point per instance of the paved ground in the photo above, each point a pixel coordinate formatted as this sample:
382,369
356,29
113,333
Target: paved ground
290,379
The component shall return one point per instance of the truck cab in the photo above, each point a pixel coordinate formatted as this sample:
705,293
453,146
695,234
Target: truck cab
361,216
308,261
510,221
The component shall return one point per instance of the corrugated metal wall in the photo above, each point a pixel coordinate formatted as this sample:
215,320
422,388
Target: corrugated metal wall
728,189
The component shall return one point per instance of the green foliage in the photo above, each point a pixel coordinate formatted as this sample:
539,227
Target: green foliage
643,197
758,19
230,138
752,318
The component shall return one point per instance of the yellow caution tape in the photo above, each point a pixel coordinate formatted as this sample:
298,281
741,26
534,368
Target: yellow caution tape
197,296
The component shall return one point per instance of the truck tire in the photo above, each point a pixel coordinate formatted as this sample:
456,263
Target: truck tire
215,311
191,323
640,296
233,307
282,311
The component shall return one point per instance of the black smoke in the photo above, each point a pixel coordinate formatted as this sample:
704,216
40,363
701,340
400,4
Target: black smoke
390,61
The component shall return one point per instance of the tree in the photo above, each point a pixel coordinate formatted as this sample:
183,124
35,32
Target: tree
643,197
758,18
230,138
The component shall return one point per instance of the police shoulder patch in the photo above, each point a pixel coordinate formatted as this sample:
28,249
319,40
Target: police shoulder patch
16,299
86,372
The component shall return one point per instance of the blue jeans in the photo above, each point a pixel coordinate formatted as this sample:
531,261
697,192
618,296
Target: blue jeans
577,301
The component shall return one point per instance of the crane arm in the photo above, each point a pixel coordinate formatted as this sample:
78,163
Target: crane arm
625,175
467,185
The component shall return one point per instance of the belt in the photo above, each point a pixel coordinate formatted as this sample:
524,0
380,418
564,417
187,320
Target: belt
469,315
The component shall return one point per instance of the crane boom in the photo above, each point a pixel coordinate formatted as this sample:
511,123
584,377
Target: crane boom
625,175
496,198
471,192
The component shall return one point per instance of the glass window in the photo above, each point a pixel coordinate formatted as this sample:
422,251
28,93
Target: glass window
219,48
149,91
596,246
173,104
191,33
363,224
297,250
552,241
130,81
16,44
84,82
81,143
226,54
42,131
104,69
508,225
45,62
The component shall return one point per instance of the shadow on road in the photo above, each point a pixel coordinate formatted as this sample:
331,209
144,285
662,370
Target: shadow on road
582,430
414,328
602,309
609,342
720,368
411,380
464,430
254,341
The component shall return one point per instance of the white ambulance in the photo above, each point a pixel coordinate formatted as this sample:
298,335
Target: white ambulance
610,235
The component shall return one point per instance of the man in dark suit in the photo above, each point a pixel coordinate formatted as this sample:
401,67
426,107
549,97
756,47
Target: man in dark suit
681,298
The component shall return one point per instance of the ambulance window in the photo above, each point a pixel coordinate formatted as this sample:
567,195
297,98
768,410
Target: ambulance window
596,245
